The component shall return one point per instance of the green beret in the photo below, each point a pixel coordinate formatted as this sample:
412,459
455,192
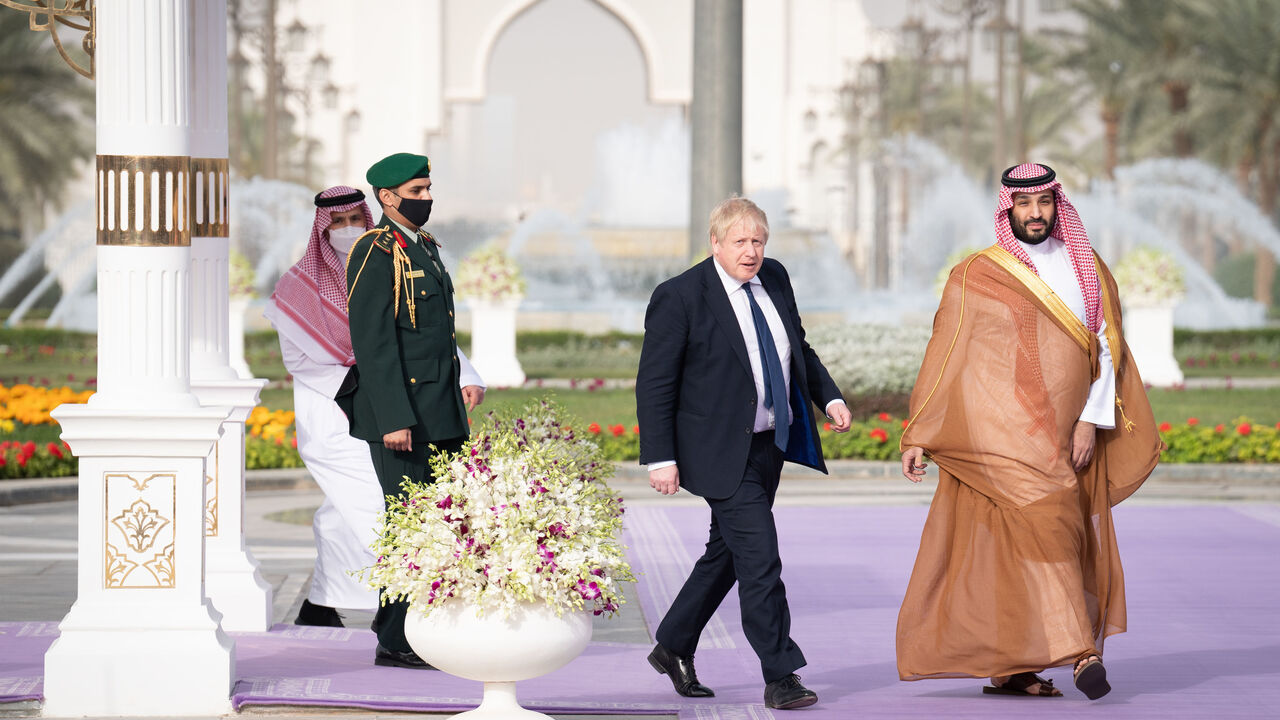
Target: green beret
396,170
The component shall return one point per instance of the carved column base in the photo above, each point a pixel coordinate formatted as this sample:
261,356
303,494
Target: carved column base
233,581
141,639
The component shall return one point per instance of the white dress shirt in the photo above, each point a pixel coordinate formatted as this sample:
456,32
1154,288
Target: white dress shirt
742,311
1053,262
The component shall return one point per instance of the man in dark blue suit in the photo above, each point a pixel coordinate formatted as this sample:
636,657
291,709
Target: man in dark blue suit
723,397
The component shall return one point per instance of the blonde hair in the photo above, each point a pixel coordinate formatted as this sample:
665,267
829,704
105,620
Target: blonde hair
727,214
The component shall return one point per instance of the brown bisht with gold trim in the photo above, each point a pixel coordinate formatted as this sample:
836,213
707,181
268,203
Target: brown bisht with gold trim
1018,568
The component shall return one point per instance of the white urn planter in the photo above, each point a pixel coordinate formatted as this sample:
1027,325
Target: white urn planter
493,342
1149,332
497,650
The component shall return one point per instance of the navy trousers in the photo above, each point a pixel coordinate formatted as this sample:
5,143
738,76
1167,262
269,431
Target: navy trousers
392,466
742,547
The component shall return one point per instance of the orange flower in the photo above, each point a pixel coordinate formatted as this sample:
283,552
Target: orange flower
1165,427
905,423
880,435
1193,421
617,430
1218,428
883,417
826,426
1244,428
594,428
635,429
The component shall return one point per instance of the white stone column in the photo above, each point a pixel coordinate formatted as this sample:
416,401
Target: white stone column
493,342
141,639
233,582
1149,332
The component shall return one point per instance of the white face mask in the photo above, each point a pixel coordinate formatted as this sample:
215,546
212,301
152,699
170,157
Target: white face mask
343,238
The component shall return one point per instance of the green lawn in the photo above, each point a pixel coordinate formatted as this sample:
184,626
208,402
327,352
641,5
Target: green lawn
1216,406
608,407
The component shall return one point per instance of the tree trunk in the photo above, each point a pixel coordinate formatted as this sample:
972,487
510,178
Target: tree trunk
1264,266
1179,93
1111,130
998,151
1019,120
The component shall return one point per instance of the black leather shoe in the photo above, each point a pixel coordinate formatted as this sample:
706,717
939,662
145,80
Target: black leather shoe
322,615
395,658
788,694
680,669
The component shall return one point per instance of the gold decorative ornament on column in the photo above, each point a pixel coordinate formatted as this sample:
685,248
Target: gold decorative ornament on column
47,15
144,200
210,200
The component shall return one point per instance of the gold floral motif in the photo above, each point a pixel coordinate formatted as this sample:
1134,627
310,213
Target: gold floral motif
118,567
140,513
161,567
211,497
140,524
47,15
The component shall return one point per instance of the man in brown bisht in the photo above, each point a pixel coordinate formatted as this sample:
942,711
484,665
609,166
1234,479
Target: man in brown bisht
1030,403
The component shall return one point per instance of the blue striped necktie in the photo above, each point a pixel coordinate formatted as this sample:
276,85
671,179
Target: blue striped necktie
774,385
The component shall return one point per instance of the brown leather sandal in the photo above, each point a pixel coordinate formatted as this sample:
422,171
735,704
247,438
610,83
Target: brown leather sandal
1018,683
1091,676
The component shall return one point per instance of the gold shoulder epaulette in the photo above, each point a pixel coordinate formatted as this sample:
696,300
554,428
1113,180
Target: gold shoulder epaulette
382,238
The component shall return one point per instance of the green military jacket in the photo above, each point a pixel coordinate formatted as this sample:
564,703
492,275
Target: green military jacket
400,303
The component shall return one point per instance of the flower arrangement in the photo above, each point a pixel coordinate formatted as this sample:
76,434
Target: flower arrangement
240,276
1148,277
489,274
519,515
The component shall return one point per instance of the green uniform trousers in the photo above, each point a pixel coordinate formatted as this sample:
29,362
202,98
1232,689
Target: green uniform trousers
392,466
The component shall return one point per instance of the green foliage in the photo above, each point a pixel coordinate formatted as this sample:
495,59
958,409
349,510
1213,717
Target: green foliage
264,454
46,122
1240,441
1235,275
35,459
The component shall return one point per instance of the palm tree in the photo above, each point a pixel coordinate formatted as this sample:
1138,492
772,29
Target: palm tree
1158,37
46,122
1236,41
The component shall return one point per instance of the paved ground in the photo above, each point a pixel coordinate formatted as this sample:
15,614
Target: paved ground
38,541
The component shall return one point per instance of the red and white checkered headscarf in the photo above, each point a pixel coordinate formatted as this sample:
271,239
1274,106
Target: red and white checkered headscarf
313,293
1067,228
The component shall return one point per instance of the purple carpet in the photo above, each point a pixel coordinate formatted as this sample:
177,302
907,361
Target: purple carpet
1204,637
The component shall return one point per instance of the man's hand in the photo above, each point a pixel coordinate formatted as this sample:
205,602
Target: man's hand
1082,441
665,480
472,395
398,440
841,418
913,464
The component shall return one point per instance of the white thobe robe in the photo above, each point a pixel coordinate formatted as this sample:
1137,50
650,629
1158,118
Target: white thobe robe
1053,263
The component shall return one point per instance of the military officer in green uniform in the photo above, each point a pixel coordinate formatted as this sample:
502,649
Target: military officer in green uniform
409,389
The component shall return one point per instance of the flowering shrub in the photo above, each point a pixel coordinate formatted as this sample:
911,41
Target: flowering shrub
520,514
30,459
240,276
30,405
871,359
1241,441
269,425
1149,277
489,274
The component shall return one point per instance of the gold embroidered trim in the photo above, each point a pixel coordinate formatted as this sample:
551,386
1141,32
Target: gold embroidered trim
964,279
1054,304
1113,342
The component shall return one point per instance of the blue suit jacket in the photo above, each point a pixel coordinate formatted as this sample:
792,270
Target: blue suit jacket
695,394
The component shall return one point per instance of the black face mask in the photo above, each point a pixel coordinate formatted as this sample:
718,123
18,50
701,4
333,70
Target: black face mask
415,211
